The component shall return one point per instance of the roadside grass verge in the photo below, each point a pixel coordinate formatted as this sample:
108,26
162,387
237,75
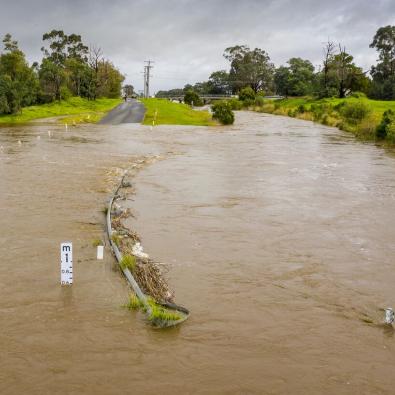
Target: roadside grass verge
165,112
79,109
360,116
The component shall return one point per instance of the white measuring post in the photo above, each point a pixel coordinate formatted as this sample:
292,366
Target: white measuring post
66,264
100,252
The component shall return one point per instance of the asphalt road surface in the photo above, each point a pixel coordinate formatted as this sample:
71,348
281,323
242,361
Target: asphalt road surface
129,112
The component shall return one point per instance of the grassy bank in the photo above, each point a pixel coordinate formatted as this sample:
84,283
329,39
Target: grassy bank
360,116
78,109
165,112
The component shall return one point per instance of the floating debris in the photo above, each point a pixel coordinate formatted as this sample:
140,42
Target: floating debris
389,316
137,250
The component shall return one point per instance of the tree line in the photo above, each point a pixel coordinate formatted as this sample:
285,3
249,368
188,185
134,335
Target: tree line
68,68
338,75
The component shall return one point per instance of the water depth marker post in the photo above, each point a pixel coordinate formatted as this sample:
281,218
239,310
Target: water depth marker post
66,264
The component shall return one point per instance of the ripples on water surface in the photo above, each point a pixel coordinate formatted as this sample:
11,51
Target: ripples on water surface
278,234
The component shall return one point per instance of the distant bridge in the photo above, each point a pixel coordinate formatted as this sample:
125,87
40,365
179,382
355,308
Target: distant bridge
203,97
207,98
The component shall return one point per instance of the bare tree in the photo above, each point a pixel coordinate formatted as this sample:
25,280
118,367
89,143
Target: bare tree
94,59
328,49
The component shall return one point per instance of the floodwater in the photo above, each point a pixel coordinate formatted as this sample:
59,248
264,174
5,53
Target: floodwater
278,235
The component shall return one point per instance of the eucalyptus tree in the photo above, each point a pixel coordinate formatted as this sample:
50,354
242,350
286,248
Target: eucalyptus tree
18,81
384,72
249,68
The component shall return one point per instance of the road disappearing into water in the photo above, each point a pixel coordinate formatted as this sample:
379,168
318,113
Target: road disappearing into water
129,112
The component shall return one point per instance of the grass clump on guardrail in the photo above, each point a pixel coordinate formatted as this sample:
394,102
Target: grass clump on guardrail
128,262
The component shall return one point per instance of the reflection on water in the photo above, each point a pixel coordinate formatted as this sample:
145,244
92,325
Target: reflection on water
278,234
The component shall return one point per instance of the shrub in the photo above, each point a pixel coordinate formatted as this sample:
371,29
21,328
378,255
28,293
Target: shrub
247,93
192,98
65,93
269,107
235,104
222,111
391,132
385,125
355,111
248,102
358,95
301,109
259,101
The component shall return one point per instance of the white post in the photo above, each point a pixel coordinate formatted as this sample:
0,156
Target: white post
66,264
100,252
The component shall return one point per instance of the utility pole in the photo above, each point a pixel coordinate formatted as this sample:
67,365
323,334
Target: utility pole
147,69
145,82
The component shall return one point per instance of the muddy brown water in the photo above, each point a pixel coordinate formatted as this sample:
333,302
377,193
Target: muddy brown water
277,234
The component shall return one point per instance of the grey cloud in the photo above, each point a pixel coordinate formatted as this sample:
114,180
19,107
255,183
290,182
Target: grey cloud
187,38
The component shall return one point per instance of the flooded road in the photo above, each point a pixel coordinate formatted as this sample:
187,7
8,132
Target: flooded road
276,233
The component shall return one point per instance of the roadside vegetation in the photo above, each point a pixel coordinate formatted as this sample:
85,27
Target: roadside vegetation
71,78
165,112
339,93
78,109
358,115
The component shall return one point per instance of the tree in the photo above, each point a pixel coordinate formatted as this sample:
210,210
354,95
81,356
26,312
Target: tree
18,81
219,83
193,99
65,62
249,68
94,58
295,80
128,90
348,77
282,80
109,80
384,72
328,50
52,77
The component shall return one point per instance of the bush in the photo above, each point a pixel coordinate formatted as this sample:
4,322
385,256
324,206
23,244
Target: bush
358,95
386,125
247,93
248,102
355,111
301,109
192,98
391,132
222,111
65,93
259,101
235,104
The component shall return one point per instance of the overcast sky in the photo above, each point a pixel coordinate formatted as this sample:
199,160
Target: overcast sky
186,38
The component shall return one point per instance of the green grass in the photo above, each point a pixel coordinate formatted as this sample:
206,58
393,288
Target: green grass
333,112
116,239
128,262
165,112
134,302
82,110
378,106
159,314
97,242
